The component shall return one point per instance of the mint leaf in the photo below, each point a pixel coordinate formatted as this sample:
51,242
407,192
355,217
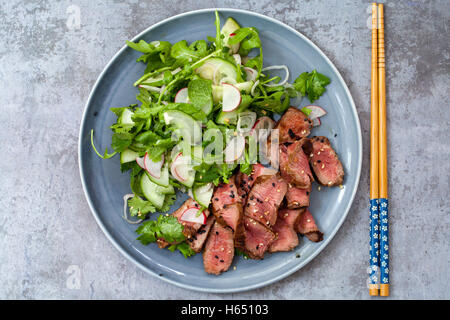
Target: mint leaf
200,93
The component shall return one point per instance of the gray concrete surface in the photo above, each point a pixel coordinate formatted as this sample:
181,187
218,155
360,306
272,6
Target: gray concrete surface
48,65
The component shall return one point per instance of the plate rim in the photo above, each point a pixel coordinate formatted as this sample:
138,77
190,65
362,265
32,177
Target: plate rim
261,283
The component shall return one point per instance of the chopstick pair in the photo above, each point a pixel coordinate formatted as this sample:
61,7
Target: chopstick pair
379,223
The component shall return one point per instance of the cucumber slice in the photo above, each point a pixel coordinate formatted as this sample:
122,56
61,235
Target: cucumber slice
216,69
203,194
231,117
163,180
125,117
187,125
230,26
128,155
152,192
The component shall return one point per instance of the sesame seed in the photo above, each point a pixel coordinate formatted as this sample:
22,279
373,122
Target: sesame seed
286,215
311,155
318,152
314,163
318,188
303,171
266,199
222,249
256,210
266,213
341,186
234,268
308,220
323,166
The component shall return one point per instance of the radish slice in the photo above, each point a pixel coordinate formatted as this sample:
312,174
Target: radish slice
192,215
154,168
263,123
285,68
182,96
140,162
246,121
234,149
314,112
316,122
251,73
231,97
180,167
237,58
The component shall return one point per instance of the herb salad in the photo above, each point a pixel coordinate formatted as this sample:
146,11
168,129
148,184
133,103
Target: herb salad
186,91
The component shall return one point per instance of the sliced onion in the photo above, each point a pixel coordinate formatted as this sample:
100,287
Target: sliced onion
154,168
251,73
277,68
252,92
125,211
176,71
234,149
192,215
237,58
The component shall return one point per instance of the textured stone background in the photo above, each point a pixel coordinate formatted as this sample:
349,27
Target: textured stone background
47,233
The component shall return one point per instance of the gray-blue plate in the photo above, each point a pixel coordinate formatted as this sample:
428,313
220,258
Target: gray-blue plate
104,184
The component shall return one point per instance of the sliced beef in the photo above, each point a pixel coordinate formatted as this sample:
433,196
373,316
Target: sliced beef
219,249
294,166
306,226
225,194
230,215
198,240
287,238
258,238
325,163
264,199
245,182
293,125
297,198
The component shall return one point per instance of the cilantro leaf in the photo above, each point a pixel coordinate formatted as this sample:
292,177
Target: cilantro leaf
184,248
165,227
140,207
311,84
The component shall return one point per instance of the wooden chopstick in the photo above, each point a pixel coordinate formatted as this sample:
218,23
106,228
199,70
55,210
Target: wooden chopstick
382,154
374,159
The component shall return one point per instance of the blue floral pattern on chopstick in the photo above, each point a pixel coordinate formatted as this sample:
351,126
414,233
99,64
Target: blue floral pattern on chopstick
384,241
374,241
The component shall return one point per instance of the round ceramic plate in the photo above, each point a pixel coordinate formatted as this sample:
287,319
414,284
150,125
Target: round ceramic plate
104,184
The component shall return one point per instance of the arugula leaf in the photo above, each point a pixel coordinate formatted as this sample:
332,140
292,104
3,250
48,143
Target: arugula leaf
218,40
184,53
200,93
184,248
311,84
249,39
277,102
140,207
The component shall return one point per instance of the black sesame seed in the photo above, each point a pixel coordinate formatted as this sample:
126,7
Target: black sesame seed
252,197
217,257
232,196
221,260
217,232
216,199
335,135
190,239
291,134
257,246
95,113
231,186
273,184
319,161
250,178
307,193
